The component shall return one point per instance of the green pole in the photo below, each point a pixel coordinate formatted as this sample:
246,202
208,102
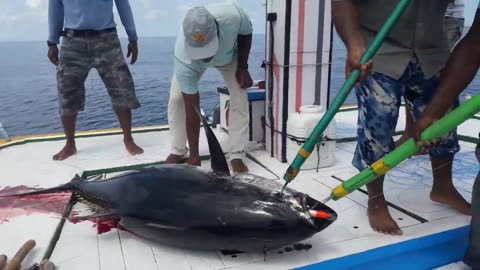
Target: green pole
315,136
409,148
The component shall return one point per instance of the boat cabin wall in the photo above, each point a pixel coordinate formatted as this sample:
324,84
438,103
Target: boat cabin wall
298,56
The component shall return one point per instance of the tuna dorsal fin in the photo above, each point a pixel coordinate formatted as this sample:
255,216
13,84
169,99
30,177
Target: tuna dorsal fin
219,163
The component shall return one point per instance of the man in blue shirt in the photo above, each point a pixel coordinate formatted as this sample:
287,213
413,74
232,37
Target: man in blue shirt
90,40
218,36
459,72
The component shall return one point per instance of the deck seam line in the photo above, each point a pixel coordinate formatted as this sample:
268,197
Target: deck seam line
154,257
98,254
254,159
121,248
58,230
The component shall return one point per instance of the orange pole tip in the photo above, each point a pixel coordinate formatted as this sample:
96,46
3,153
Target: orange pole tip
319,214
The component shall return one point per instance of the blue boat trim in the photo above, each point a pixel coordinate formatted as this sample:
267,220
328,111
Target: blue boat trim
426,252
254,94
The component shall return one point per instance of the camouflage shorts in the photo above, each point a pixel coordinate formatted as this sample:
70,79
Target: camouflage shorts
379,99
104,53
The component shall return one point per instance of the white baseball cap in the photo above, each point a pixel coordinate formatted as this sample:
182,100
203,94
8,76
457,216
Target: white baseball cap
200,31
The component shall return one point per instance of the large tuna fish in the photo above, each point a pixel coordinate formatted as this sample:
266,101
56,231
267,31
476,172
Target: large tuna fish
189,207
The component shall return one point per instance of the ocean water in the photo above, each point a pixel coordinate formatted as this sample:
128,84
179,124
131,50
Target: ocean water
28,93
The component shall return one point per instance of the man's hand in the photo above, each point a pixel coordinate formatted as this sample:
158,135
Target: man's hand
53,55
243,78
353,62
132,50
424,122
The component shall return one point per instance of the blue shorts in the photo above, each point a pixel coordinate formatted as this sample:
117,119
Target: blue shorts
379,98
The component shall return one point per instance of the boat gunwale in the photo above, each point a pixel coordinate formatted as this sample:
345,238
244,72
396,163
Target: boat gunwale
34,138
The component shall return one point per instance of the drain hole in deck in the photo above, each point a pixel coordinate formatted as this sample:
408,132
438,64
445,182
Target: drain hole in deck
355,227
400,218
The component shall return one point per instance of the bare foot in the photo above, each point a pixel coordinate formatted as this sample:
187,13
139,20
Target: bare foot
238,166
452,198
132,148
173,159
379,217
195,161
68,150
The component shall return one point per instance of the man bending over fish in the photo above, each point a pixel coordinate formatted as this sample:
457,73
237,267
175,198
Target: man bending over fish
219,36
90,40
458,74
407,64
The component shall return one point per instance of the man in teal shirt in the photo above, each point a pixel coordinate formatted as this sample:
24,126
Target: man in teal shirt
459,72
219,36
90,40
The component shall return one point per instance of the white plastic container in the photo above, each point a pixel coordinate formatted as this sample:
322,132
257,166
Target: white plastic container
299,127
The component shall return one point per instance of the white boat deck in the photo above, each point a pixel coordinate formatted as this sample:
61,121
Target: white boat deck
349,243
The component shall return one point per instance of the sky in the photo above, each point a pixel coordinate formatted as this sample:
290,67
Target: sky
23,20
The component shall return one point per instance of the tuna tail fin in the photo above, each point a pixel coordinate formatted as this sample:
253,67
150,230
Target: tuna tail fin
219,163
62,188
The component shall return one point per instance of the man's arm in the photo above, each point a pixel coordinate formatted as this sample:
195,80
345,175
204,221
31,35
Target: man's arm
242,74
346,20
187,79
244,41
459,72
55,20
55,26
193,126
244,46
125,13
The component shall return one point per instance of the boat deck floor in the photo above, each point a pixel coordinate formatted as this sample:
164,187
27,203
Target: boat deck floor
347,244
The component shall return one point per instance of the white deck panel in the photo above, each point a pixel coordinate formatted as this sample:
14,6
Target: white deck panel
470,128
409,184
320,253
25,165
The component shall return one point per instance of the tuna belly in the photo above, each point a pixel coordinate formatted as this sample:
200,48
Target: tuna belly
214,238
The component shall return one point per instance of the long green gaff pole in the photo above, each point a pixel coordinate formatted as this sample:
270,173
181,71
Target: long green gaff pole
407,149
315,136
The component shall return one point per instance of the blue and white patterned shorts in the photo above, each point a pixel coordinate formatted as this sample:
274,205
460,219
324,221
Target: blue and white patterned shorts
379,98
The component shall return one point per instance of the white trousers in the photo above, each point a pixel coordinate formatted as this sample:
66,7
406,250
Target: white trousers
238,122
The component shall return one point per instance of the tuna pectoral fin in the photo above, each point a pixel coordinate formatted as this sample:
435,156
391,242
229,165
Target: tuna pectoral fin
219,163
164,227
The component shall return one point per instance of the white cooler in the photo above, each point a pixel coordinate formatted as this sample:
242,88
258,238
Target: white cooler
256,107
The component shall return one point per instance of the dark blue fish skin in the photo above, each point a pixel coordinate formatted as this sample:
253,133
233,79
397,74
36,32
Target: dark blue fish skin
184,206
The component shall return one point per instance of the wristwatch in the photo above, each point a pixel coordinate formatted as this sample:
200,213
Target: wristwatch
51,44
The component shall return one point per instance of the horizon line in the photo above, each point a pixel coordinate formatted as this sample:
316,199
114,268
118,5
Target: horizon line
121,37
